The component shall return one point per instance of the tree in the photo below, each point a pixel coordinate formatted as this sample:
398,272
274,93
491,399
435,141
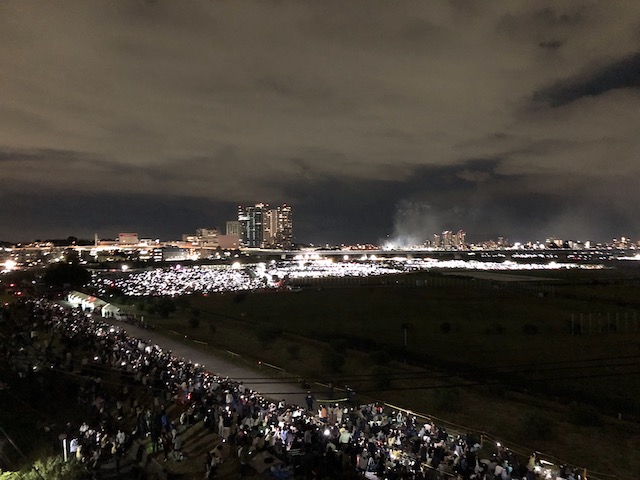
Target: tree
51,468
71,256
61,275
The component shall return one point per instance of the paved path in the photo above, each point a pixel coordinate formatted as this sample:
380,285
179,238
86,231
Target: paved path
268,386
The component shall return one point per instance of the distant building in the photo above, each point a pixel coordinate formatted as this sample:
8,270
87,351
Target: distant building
170,254
92,304
233,228
450,240
128,238
264,227
284,233
251,225
269,228
204,238
229,242
447,239
553,242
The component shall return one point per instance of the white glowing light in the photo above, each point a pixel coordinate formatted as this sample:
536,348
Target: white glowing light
10,265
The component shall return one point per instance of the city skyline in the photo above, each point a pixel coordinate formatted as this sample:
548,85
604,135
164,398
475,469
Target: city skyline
235,236
377,122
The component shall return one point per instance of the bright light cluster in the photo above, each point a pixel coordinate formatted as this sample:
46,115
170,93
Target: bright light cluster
9,265
180,281
207,279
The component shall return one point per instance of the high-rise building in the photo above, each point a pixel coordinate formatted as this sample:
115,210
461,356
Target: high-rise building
251,225
270,223
284,233
264,227
447,239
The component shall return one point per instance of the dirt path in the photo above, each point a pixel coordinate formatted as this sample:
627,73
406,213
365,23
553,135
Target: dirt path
261,382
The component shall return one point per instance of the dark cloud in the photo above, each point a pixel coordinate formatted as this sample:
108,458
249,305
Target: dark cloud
551,44
358,113
620,74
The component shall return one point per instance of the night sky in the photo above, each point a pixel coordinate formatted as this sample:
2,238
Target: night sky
373,119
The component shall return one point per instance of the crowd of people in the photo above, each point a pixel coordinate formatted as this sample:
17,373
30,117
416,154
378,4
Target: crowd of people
179,280
205,279
320,440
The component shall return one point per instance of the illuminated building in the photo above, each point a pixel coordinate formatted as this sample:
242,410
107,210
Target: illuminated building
251,225
270,228
170,254
554,242
233,228
264,227
284,233
435,243
204,237
447,239
128,238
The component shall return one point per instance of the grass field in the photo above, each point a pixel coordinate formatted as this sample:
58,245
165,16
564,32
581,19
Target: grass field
497,330
526,374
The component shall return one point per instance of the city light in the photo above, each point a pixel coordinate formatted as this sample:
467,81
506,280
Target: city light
9,265
189,280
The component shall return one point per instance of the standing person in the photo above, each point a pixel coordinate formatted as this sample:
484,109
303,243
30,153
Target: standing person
211,468
344,439
155,436
350,394
177,447
309,399
166,445
243,453
207,465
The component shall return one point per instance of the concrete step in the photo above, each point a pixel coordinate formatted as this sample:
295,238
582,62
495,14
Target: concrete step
202,446
192,431
121,473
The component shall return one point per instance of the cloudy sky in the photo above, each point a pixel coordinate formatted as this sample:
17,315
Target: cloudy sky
373,119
